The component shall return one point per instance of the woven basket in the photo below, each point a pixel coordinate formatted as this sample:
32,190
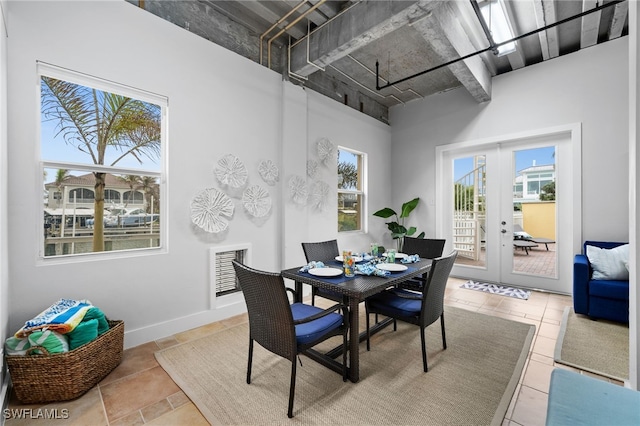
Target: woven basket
68,375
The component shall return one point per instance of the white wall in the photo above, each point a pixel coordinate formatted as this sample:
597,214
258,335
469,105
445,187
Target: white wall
360,133
588,87
219,103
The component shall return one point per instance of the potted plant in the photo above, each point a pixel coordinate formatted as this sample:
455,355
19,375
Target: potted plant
397,228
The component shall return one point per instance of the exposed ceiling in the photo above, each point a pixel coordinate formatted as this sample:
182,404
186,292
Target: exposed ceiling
332,47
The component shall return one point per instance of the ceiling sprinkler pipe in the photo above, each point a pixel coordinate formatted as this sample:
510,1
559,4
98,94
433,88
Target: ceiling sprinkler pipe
295,21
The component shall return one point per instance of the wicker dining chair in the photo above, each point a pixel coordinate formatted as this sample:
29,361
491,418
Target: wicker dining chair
325,251
286,329
426,248
419,308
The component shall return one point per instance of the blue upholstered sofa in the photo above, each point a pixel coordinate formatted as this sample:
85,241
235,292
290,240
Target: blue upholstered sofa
599,298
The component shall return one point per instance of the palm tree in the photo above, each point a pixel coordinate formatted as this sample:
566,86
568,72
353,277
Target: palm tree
61,176
133,181
149,189
94,121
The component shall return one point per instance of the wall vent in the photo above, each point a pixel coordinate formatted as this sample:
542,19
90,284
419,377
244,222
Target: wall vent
224,287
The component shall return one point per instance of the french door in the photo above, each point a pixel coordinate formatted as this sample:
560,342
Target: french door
511,207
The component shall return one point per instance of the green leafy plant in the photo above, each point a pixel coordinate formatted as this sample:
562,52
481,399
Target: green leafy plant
397,227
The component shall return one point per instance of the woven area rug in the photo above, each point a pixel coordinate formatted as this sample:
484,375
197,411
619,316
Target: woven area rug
601,347
501,290
471,382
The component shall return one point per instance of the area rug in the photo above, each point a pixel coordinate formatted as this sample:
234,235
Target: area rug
600,347
471,382
501,290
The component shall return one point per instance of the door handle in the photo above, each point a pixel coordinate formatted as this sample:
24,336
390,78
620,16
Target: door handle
504,231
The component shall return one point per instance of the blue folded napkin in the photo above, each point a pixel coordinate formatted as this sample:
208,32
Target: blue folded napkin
311,265
370,269
411,259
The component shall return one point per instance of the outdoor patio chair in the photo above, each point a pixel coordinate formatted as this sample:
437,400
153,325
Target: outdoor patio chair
286,329
419,308
426,248
325,251
522,235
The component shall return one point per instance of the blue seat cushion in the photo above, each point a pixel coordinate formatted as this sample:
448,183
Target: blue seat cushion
576,399
313,330
389,300
609,289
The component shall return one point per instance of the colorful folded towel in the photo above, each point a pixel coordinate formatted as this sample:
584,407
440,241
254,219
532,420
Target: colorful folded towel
63,316
97,314
52,341
84,333
311,265
16,346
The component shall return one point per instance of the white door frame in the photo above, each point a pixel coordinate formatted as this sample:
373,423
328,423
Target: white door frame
573,224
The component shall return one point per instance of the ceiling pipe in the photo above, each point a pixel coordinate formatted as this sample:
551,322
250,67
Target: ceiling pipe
295,21
555,24
485,27
278,22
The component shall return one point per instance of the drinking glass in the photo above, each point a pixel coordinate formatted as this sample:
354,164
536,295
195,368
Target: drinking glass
347,263
374,249
391,256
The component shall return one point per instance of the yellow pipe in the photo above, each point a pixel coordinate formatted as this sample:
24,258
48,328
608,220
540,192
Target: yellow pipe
298,19
278,23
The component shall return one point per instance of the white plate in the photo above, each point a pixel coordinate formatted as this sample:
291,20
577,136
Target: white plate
398,255
392,267
326,272
356,259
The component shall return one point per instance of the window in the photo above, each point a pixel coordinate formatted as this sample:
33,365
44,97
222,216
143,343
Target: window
102,148
350,190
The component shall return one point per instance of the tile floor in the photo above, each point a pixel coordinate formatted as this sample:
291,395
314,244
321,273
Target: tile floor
139,391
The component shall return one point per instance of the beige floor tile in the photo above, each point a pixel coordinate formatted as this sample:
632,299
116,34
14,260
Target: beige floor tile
187,414
553,314
137,391
538,376
134,360
544,346
549,330
531,407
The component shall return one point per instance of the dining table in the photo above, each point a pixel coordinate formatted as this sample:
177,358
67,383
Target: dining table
354,290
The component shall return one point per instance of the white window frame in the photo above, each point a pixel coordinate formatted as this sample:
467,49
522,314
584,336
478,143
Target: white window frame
362,191
45,69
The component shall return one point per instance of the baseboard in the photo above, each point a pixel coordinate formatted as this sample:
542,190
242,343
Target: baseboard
157,331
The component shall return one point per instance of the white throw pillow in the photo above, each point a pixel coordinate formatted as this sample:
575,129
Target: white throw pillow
609,264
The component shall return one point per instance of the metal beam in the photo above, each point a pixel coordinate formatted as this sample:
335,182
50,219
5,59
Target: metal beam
351,30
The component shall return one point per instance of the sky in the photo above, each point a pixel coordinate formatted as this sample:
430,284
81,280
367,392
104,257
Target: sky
524,159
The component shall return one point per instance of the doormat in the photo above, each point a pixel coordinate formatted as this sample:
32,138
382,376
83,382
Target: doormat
501,290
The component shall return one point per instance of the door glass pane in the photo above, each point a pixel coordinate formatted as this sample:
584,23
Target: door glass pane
469,208
534,211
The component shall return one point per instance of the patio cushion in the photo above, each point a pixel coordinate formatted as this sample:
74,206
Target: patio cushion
390,300
309,332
